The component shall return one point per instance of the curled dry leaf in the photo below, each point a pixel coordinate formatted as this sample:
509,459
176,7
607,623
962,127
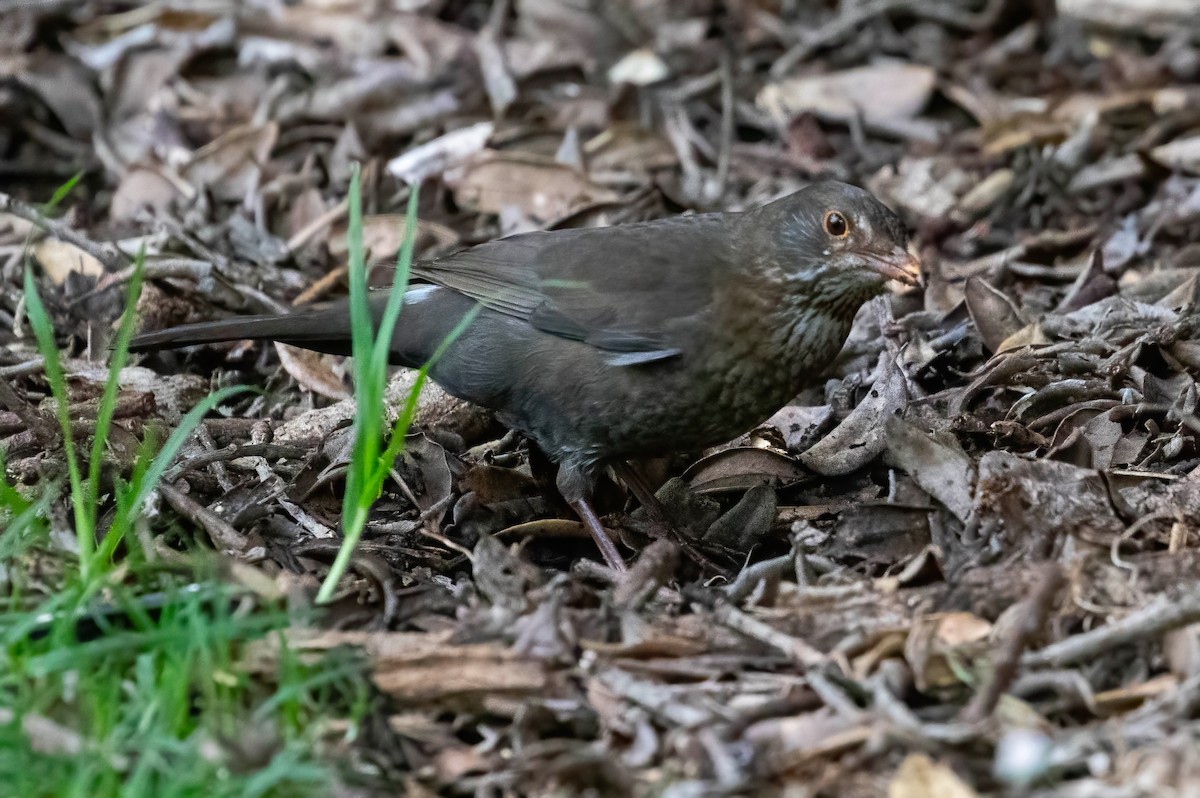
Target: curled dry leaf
1034,499
141,189
927,188
741,468
493,67
984,195
383,234
417,668
801,426
745,524
860,437
994,314
435,408
312,370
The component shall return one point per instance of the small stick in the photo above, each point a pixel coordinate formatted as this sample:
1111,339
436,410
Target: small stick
112,258
1160,615
1006,661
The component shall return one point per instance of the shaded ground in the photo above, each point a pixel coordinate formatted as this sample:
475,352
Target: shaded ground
974,562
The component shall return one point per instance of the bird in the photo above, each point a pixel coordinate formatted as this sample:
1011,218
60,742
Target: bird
610,344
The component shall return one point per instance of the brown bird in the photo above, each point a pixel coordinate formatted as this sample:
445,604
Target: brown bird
631,341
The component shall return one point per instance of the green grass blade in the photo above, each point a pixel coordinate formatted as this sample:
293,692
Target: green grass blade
383,342
61,193
147,477
44,331
108,401
369,347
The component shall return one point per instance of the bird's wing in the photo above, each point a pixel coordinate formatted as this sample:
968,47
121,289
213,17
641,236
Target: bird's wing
629,290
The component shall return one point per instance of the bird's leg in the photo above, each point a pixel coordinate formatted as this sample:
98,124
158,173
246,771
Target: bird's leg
658,514
575,484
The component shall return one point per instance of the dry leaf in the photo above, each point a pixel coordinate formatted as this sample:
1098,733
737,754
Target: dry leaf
1181,155
141,189
741,468
435,157
860,437
920,777
994,314
231,165
538,187
58,259
939,646
1144,16
313,371
884,92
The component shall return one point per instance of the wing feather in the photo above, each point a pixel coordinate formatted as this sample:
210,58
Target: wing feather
622,289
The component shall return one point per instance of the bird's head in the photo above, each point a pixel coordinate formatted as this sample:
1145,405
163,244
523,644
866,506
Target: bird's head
837,240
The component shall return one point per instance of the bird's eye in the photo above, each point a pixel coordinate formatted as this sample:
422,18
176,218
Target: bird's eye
836,225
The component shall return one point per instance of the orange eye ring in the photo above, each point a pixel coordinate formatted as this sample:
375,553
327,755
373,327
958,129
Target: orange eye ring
836,224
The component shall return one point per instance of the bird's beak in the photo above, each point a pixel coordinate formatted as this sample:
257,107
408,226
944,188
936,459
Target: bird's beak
901,265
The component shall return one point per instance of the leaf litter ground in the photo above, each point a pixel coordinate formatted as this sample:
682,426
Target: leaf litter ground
967,563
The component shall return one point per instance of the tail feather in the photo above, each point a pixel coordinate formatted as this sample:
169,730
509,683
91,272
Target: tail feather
326,331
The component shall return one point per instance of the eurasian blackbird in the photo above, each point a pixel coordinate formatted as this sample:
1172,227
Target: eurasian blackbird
637,340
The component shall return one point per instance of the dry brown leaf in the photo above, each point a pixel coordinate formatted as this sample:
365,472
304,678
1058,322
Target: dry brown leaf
1029,335
1158,17
994,314
313,371
920,777
435,157
939,645
801,426
883,92
231,165
141,189
860,438
959,628
537,186
58,259
741,468
383,234
1181,155
927,188
418,667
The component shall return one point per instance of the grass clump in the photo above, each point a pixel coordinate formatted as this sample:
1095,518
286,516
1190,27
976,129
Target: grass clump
124,678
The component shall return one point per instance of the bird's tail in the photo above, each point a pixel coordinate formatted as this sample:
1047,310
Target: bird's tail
323,330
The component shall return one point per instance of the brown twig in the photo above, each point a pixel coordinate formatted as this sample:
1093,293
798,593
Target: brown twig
222,533
1160,615
1006,660
112,258
802,653
232,452
40,426
844,24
